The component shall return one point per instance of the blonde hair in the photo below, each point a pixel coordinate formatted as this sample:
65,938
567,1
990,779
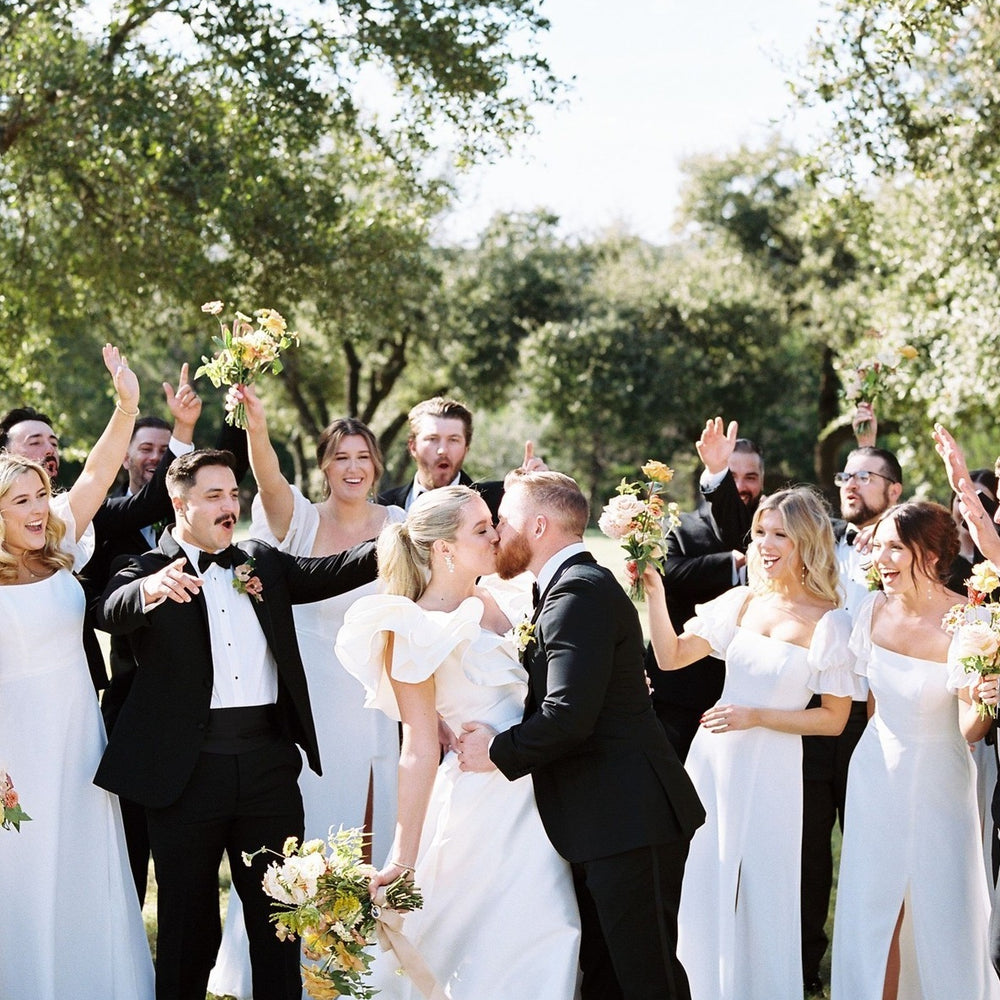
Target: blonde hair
50,555
404,549
806,521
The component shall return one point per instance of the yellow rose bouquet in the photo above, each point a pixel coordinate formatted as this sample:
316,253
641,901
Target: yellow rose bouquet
245,351
975,627
322,898
640,518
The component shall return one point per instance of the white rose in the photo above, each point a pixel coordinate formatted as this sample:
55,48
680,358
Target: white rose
977,639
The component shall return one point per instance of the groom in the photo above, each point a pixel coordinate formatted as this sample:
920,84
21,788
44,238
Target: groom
613,797
206,739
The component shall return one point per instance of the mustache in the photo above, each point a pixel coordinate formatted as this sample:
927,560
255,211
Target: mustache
226,519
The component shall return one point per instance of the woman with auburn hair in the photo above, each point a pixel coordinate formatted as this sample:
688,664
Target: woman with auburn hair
67,867
912,902
359,749
783,639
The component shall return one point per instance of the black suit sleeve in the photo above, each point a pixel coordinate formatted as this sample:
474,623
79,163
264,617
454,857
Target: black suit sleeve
731,514
119,515
314,579
579,648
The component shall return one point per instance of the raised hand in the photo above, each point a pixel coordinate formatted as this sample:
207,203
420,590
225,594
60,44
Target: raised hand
865,425
532,463
256,417
184,406
952,456
716,444
123,378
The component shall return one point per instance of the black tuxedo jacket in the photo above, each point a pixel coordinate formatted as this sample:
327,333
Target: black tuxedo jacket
490,490
732,516
606,780
161,728
698,568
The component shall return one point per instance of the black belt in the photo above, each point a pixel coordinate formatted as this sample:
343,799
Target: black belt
239,730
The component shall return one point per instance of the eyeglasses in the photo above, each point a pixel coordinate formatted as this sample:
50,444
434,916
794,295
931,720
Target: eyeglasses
863,477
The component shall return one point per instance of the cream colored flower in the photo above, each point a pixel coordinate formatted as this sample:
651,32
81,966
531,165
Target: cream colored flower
213,308
976,639
984,579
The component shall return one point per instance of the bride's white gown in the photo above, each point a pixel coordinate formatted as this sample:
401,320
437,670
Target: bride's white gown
70,924
499,916
738,925
911,835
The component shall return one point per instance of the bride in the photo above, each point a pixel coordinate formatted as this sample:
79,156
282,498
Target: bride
499,915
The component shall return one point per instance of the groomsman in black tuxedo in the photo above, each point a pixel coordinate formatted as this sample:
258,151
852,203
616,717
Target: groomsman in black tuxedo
701,565
440,436
613,797
206,739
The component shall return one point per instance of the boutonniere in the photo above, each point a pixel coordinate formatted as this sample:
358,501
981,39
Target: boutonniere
524,635
246,583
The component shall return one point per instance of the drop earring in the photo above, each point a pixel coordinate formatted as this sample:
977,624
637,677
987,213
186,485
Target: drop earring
449,561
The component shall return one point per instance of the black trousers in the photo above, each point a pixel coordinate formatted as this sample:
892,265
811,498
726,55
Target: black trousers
234,802
628,911
825,760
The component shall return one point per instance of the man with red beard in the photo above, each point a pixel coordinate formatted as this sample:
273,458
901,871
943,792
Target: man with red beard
614,799
440,436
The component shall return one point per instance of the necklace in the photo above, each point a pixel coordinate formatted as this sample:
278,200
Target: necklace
29,571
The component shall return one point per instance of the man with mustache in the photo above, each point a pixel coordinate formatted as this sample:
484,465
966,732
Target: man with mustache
206,740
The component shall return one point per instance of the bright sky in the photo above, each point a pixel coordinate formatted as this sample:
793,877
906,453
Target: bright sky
656,81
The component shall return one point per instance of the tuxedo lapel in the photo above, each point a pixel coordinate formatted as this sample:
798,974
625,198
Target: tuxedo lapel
575,560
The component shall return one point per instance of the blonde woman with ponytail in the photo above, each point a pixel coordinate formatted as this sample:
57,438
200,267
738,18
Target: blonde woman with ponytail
68,866
499,914
783,638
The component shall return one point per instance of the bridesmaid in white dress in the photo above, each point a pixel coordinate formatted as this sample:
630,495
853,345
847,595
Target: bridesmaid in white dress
70,924
783,639
912,901
499,917
359,749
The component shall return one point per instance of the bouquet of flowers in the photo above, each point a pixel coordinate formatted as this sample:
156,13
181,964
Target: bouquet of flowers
11,813
245,351
323,898
640,518
976,627
869,379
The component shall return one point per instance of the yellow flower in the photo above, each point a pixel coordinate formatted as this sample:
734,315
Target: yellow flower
317,985
984,579
272,321
348,959
908,351
291,843
657,471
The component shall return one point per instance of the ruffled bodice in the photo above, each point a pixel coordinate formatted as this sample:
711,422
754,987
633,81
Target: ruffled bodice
477,676
827,666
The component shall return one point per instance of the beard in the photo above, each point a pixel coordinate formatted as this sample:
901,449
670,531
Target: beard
862,514
513,556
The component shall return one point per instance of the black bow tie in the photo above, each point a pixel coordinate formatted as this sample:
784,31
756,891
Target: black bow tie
851,534
223,558
535,595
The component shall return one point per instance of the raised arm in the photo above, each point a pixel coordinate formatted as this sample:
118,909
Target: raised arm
275,493
418,762
671,651
105,458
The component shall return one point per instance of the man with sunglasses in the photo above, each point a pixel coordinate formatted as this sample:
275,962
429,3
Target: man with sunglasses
870,483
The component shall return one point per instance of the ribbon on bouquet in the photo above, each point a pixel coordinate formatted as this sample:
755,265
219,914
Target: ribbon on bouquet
389,930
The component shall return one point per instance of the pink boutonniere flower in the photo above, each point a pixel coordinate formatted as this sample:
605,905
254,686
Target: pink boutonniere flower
246,582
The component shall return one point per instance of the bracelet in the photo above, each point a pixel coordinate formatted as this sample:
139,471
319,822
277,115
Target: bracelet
406,868
121,409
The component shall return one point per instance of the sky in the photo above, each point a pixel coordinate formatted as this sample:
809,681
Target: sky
653,82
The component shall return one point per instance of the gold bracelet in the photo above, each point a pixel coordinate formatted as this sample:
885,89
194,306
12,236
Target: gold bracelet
406,868
121,409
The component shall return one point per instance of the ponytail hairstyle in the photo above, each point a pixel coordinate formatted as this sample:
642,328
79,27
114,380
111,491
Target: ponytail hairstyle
12,467
404,550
